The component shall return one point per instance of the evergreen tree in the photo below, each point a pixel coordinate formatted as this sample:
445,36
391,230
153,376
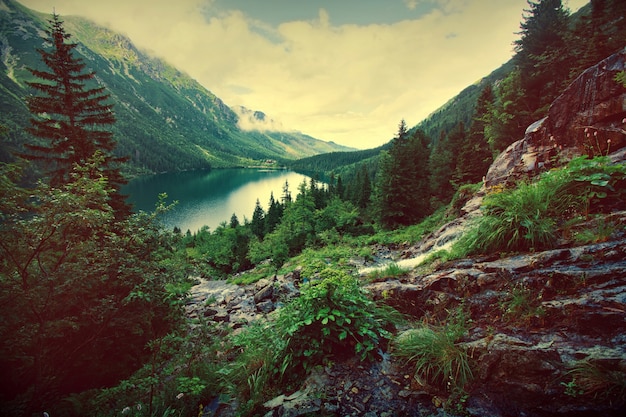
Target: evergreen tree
598,35
257,226
360,188
234,221
440,165
340,190
70,117
286,197
402,182
274,214
509,115
474,156
542,53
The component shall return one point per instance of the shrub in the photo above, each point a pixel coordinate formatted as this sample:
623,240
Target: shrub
333,316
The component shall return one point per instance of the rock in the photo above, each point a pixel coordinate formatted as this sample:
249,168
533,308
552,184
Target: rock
594,102
264,293
265,306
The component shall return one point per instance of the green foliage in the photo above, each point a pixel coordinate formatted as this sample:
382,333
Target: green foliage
597,231
393,270
508,116
436,353
521,306
70,117
332,316
79,287
621,78
442,164
409,234
402,182
528,217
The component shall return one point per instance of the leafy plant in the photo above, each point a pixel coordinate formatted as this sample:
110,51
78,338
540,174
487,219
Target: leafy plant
572,389
333,316
528,216
599,231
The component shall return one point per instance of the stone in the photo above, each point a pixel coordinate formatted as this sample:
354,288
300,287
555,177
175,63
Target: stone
265,306
264,293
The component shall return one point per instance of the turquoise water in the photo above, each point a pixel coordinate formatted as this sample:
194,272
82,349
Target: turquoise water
210,197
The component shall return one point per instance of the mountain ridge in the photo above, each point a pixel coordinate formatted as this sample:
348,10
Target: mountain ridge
166,120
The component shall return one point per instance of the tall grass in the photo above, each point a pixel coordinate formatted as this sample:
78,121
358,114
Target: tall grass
436,353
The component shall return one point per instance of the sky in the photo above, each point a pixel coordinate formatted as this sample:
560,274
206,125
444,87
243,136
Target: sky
346,71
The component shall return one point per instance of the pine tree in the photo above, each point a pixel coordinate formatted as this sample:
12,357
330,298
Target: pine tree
475,156
542,53
509,114
402,181
274,214
257,226
597,35
234,221
71,118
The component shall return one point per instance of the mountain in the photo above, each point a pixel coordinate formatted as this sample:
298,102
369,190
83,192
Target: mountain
166,121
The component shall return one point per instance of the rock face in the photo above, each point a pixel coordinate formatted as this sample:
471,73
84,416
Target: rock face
543,328
588,118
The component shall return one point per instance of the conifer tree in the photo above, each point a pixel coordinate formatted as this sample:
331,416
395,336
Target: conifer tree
257,226
274,214
597,35
475,156
542,53
70,117
402,181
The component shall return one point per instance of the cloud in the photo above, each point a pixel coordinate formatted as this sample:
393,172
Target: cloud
411,4
351,84
256,120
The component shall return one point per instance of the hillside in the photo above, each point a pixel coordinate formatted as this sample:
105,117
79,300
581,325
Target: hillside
166,121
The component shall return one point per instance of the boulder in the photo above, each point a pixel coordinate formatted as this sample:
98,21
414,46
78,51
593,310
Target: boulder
589,118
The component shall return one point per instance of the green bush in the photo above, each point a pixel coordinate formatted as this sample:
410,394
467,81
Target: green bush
333,316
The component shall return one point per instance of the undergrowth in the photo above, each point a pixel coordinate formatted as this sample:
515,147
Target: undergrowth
436,354
531,216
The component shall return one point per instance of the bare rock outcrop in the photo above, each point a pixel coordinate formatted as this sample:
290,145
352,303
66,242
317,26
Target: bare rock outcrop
588,118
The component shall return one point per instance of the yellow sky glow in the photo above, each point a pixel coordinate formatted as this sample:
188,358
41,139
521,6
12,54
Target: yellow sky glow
351,84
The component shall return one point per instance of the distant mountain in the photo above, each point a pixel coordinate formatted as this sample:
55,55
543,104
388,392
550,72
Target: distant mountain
166,121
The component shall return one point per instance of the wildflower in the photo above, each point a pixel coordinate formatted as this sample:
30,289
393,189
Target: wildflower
586,129
624,120
179,396
138,407
126,410
595,133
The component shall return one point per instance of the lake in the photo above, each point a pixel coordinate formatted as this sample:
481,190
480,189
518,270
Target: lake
210,197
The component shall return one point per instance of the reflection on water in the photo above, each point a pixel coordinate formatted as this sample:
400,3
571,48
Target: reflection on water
210,198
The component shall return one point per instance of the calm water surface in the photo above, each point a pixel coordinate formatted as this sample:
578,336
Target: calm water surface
210,197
